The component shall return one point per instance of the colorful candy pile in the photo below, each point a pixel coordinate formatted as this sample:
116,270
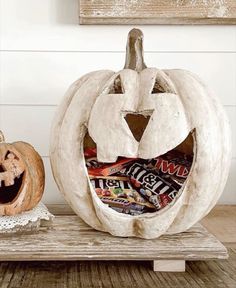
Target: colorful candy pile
136,186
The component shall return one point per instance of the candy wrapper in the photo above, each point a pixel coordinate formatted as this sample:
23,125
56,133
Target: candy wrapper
96,168
119,194
150,185
102,169
174,166
90,152
135,186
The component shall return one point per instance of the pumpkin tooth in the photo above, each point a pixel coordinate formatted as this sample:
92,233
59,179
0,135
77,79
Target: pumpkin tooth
8,179
9,182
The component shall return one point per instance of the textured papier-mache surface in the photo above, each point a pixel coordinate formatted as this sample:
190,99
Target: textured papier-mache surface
25,221
185,107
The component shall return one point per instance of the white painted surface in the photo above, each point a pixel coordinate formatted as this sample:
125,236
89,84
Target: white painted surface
43,51
53,72
53,25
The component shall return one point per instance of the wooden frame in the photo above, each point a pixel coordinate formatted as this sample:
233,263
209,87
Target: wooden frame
157,12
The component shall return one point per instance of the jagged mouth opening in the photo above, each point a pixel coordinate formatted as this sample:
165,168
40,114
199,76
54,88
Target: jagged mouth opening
137,186
8,194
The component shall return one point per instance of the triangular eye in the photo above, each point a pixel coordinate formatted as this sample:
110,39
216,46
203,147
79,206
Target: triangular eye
116,87
10,155
157,88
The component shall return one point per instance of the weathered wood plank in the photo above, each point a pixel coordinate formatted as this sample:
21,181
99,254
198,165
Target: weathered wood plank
220,221
157,12
111,274
133,274
71,239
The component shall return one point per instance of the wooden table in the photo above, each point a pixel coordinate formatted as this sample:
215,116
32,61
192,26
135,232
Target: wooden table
69,238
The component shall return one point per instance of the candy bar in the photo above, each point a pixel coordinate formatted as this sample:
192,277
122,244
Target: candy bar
126,207
120,195
173,163
110,182
92,163
179,158
135,186
96,168
150,185
165,199
90,152
114,177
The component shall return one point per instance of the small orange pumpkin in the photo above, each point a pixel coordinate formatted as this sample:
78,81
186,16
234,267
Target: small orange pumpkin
22,177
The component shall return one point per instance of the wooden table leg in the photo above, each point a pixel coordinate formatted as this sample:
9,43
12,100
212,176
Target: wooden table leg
169,265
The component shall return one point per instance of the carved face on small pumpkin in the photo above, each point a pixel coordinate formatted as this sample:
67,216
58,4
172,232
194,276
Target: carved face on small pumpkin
21,177
11,177
179,108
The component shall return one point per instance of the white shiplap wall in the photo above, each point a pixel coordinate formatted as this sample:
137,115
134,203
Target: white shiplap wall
43,50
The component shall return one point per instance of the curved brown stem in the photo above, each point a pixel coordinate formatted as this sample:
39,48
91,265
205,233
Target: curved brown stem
134,51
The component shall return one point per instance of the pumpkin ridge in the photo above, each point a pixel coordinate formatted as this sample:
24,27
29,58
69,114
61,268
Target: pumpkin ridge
63,158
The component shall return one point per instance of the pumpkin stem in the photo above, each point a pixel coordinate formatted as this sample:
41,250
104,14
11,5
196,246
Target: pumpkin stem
134,51
2,138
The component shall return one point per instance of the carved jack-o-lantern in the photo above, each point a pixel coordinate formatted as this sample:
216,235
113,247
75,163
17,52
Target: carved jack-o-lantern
21,177
182,114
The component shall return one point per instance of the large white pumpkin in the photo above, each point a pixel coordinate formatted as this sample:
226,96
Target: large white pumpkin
179,105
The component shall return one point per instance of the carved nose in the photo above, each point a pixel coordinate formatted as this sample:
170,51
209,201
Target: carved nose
138,122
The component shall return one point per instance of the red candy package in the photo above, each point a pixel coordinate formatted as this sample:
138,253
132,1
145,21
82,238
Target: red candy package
90,152
96,168
109,169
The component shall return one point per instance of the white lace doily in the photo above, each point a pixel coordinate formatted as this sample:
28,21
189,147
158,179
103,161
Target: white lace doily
26,221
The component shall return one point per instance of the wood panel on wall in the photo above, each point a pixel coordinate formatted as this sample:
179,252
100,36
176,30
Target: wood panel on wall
43,50
157,12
